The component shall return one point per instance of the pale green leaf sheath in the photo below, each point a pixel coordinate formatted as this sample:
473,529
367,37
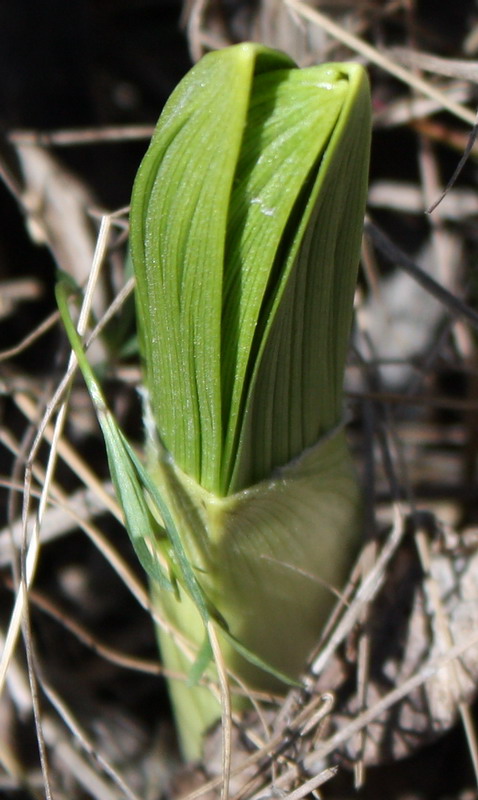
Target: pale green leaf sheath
246,223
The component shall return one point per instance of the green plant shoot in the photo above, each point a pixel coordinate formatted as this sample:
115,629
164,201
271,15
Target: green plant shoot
246,223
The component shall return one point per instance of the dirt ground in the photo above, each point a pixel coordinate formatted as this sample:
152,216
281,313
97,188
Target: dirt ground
84,711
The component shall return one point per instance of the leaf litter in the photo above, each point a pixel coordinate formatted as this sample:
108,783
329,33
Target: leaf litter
369,697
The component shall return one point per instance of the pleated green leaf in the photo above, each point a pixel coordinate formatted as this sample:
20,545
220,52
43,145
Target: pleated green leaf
310,181
236,235
179,217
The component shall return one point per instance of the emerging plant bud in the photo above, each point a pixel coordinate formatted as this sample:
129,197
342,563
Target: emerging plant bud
246,224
